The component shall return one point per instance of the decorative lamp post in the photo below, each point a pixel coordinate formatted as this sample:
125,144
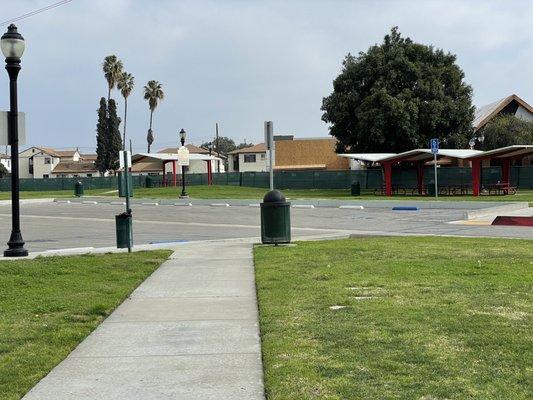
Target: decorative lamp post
12,45
184,194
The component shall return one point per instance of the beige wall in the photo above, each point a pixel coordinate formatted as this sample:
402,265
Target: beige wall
260,164
301,152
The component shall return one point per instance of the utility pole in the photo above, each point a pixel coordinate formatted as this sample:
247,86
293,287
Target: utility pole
216,145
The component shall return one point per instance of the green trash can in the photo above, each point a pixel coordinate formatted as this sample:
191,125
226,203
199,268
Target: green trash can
124,230
78,189
430,189
356,189
275,219
122,185
149,183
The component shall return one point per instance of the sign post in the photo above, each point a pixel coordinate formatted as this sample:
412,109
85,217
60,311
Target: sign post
435,151
125,164
269,142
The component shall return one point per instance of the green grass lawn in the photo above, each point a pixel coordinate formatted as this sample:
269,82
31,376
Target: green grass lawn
241,192
423,318
49,305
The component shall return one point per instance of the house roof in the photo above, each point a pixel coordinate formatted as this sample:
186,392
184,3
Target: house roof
2,156
191,147
66,153
45,150
73,167
171,157
87,157
258,148
486,113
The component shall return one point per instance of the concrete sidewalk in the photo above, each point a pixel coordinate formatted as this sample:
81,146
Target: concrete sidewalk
190,331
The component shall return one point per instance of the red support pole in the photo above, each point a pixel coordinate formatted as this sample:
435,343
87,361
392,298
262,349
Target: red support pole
476,176
174,172
387,167
420,176
506,171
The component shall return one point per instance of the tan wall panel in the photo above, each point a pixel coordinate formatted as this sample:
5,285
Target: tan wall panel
309,152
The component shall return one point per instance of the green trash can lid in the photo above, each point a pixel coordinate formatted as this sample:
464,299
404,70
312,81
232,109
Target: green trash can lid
274,196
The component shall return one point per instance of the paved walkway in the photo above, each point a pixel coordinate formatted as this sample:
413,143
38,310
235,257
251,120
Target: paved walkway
190,331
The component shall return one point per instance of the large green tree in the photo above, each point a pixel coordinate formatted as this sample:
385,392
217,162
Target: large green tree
112,68
397,96
114,140
507,130
125,84
102,160
225,145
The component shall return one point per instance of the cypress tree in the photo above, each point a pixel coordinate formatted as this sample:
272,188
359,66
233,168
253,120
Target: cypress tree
114,139
101,138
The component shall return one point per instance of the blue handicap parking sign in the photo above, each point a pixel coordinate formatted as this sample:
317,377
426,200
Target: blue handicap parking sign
435,146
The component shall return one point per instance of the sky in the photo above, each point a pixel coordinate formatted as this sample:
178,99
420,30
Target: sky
240,62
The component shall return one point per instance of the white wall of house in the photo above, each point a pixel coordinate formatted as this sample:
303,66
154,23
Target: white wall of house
195,167
248,162
6,162
77,175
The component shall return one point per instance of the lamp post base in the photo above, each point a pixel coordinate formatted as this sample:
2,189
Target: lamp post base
16,246
184,196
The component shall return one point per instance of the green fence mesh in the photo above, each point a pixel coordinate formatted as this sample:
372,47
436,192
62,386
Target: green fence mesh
521,177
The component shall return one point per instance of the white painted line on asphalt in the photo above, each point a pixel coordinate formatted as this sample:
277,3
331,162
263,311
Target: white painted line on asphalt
63,201
352,207
118,203
149,204
303,206
219,205
254,205
89,202
183,204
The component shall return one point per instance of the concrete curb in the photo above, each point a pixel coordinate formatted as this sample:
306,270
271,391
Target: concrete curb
490,211
366,204
32,201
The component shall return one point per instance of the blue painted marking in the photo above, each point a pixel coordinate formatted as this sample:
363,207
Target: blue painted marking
405,208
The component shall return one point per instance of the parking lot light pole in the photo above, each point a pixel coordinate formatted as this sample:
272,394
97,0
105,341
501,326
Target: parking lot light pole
12,45
183,135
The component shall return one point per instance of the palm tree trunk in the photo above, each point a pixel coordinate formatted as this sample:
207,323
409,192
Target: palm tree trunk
151,113
125,117
108,93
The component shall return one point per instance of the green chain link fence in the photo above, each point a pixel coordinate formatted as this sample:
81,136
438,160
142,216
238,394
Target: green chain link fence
521,177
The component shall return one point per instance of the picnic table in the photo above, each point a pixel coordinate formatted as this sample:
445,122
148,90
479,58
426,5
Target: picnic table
501,188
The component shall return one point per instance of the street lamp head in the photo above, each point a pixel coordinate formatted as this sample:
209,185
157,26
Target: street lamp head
12,43
183,135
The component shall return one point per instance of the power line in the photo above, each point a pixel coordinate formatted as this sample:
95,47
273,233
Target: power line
35,12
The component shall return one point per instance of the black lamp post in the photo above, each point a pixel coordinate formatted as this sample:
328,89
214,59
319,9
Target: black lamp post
12,44
184,194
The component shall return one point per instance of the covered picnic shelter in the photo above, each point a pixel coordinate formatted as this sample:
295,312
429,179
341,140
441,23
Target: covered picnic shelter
155,162
505,155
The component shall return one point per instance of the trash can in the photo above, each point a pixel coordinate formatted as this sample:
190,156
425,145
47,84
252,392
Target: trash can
356,189
78,189
122,185
275,219
149,183
124,230
430,189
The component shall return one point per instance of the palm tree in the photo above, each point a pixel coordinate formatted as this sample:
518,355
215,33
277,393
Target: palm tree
112,67
153,92
125,84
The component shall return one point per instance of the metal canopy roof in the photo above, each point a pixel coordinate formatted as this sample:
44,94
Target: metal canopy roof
426,154
173,156
507,152
373,157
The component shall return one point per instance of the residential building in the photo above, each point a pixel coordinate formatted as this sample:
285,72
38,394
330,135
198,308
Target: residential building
510,105
308,154
43,163
5,160
248,159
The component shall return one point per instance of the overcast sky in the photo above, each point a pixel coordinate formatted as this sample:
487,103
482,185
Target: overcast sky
240,63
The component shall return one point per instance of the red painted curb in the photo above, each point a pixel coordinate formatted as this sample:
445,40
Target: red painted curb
515,221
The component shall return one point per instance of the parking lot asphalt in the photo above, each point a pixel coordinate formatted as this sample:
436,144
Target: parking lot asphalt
49,226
